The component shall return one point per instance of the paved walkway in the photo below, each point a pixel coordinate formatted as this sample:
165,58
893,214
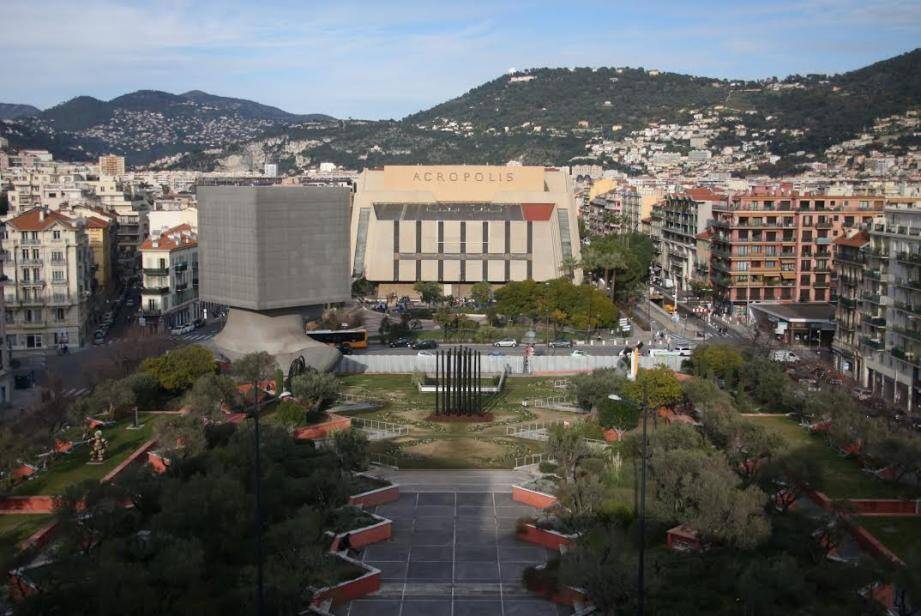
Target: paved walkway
453,551
454,481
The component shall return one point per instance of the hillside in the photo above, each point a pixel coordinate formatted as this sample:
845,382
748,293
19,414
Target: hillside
8,111
622,117
148,124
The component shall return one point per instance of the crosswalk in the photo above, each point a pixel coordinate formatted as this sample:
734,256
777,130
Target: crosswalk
75,392
192,337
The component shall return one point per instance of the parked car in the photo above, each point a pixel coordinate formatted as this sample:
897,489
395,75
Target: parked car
785,356
683,350
560,344
180,330
198,323
579,353
401,342
424,344
507,342
98,337
496,354
425,354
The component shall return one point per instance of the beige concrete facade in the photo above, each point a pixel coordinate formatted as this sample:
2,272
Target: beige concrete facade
458,225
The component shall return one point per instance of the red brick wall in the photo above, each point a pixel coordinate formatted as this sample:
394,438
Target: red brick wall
362,537
533,498
140,451
885,506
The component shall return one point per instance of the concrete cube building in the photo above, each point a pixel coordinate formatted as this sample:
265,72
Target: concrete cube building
274,247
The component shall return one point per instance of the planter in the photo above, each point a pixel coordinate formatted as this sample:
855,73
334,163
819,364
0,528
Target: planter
533,498
365,584
550,539
322,430
367,535
683,538
157,462
563,596
377,496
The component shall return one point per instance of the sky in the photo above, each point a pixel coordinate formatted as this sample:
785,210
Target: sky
379,59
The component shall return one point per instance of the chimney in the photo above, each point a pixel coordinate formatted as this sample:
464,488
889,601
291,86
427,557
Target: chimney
155,244
41,214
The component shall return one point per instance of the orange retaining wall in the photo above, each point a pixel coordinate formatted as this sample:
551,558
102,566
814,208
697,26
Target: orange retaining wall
360,537
13,505
39,538
881,507
549,539
533,498
352,589
373,498
871,544
564,596
140,451
322,430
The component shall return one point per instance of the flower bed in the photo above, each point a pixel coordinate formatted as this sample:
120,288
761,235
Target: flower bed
543,581
533,498
362,527
551,539
357,580
12,505
323,429
371,491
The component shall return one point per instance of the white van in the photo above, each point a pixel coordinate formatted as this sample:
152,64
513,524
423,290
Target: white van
785,356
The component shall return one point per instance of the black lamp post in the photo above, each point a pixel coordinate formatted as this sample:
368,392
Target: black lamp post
641,565
260,606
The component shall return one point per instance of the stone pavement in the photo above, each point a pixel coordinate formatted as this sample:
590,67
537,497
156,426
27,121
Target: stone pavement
453,551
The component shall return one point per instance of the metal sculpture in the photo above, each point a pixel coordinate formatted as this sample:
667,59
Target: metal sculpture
297,368
98,448
458,383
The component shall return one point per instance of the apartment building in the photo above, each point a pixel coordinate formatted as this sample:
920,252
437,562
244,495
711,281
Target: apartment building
683,217
6,377
132,220
48,269
778,247
102,231
111,165
854,302
613,211
170,277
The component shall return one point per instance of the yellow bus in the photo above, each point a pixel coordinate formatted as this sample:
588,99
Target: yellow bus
352,338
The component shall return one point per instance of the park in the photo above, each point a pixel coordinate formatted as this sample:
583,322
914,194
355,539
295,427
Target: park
743,473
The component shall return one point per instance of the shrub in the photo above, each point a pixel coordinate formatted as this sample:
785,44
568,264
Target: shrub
618,414
548,468
291,414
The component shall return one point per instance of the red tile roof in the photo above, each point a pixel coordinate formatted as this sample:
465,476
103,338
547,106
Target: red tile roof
704,235
96,223
857,240
704,194
180,236
38,219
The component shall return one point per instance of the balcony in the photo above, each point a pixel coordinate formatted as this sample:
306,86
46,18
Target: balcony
823,224
31,261
911,334
874,321
181,267
847,302
907,308
60,300
182,286
872,298
873,274
155,291
909,257
823,241
156,271
872,343
914,285
906,356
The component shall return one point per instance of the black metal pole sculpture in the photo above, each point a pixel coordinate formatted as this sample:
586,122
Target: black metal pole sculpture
458,382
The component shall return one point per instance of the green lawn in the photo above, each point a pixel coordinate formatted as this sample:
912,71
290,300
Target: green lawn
73,468
454,444
15,528
842,477
901,535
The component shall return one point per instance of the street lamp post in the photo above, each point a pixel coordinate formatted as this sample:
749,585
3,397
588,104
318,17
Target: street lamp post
641,565
260,605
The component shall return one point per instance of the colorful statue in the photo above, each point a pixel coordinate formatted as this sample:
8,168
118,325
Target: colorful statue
98,448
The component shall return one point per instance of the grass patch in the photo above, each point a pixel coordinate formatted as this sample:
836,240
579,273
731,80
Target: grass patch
901,535
841,477
15,528
72,468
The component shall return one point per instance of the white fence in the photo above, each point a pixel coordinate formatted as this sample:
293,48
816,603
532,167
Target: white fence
407,364
377,430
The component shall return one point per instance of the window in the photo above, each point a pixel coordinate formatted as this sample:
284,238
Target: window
742,266
25,274
25,253
57,256
36,254
59,314
57,276
56,234
804,280
820,295
770,264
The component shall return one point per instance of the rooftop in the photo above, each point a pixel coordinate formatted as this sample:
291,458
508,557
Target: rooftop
180,236
798,313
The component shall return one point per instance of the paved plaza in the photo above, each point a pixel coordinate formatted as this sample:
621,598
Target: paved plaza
453,553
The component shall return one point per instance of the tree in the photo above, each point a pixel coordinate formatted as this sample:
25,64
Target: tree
430,292
178,369
291,414
351,448
603,562
569,265
316,388
592,388
794,473
567,447
209,394
254,368
481,293
112,398
146,389
660,384
717,361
